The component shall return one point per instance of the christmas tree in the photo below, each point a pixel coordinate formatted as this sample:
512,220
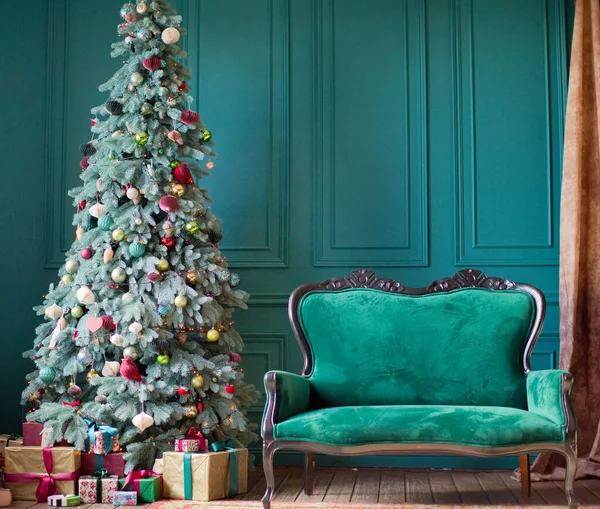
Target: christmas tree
138,332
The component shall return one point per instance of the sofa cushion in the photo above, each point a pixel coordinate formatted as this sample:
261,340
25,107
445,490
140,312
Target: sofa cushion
457,425
378,348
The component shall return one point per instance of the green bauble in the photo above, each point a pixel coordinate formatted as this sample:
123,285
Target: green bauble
192,227
137,249
47,375
162,359
146,109
141,138
112,155
206,135
105,223
161,152
66,279
76,311
174,163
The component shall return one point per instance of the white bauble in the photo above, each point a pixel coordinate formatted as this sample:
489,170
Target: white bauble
135,328
99,184
127,297
118,275
168,228
142,7
53,312
97,210
132,193
108,255
79,232
170,35
71,266
85,296
111,368
142,421
117,340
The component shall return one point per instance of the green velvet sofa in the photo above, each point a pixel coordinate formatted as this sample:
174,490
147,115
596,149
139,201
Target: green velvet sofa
443,369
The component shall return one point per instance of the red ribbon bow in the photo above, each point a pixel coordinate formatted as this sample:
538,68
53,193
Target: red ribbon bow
194,434
47,485
133,478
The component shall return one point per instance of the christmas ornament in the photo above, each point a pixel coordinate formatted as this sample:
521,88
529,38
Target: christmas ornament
105,223
136,79
86,253
99,184
97,210
111,368
132,193
152,64
190,117
176,137
197,382
53,312
182,174
101,398
137,249
168,203
108,254
234,279
112,155
92,373
200,407
191,278
154,277
114,107
85,296
213,335
146,109
170,35
168,228
76,311
229,389
209,165
94,324
222,275
163,310
182,87
129,369
135,327
74,390
214,380
131,352
47,374
174,163
234,357
183,391
171,101
81,205
163,265
190,411
142,421
206,135
84,357
60,326
84,163
130,87
79,232
168,242
118,234
108,323
128,297
87,149
177,190
118,275
162,359
182,338
141,7
181,301
138,221
117,340
141,138
192,227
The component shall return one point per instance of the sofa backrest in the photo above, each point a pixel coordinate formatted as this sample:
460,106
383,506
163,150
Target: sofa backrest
460,347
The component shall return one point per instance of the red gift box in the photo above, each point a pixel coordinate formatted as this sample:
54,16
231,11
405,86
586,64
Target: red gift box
33,436
113,463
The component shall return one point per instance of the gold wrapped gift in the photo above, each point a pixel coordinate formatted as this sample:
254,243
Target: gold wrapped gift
204,476
30,464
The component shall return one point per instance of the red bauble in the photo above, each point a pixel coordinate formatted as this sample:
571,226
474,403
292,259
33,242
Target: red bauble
152,63
182,174
93,121
75,334
168,242
112,285
154,277
229,389
81,205
200,407
41,391
108,323
234,357
183,391
168,203
84,163
182,87
86,253
190,117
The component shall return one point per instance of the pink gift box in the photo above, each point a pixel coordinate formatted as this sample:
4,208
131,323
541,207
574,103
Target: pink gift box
89,488
35,435
193,442
113,463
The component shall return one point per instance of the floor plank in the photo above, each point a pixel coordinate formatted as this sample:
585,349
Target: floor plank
391,490
583,494
469,489
258,490
366,489
418,490
341,487
290,488
550,492
23,504
515,488
592,485
443,488
323,477
254,477
495,489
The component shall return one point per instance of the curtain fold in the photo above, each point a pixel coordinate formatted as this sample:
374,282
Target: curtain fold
580,245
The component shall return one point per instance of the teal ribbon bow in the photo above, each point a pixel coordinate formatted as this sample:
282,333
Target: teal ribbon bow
108,433
233,463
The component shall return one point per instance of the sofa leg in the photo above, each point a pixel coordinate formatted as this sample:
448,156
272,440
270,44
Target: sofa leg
571,457
268,454
525,479
309,472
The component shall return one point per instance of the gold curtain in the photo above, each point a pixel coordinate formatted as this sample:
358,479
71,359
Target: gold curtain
580,245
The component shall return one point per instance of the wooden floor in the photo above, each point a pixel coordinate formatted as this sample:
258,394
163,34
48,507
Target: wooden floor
397,486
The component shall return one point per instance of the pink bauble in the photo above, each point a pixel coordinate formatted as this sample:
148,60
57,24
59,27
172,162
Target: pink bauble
234,357
130,17
190,117
153,277
168,203
176,137
86,253
84,163
182,174
152,63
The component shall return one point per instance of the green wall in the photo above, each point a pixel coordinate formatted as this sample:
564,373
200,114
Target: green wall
414,137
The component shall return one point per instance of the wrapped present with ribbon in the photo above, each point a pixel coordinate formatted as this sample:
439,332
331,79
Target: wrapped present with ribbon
64,500
194,442
8,441
36,435
221,473
113,463
146,483
35,473
125,498
98,488
103,439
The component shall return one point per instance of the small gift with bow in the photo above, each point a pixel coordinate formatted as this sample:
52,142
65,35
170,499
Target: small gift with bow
125,498
146,483
35,473
193,442
98,488
103,439
64,500
222,472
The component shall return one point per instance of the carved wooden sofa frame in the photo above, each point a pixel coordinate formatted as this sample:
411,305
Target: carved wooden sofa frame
463,279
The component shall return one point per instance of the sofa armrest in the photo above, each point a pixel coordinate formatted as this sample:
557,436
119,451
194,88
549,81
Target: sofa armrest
288,394
549,395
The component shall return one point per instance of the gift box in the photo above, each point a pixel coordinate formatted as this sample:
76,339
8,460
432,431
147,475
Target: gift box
64,500
99,488
8,441
146,483
125,498
5,497
205,477
34,434
113,463
194,442
158,466
35,473
103,439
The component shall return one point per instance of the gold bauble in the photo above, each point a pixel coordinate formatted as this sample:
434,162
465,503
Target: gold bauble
181,301
213,335
177,190
197,382
190,411
191,278
91,374
163,265
182,338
